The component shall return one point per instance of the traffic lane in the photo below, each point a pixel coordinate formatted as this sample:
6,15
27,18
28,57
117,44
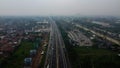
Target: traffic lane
53,60
62,55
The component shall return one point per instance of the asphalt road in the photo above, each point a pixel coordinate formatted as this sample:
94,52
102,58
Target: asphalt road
55,56
100,35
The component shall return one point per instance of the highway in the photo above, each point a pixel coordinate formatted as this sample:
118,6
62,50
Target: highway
100,35
55,56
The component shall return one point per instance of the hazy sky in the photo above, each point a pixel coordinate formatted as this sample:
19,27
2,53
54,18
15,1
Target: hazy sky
60,7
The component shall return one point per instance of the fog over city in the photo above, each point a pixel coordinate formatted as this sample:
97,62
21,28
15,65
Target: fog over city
59,33
60,7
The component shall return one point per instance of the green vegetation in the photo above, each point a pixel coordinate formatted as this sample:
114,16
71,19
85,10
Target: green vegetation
89,57
17,58
43,58
93,51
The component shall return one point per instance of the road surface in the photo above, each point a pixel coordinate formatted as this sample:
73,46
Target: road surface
55,56
100,35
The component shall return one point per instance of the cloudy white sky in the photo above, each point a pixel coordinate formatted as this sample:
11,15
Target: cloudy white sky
60,7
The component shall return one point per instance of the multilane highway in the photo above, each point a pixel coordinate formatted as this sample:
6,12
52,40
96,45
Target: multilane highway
100,35
55,56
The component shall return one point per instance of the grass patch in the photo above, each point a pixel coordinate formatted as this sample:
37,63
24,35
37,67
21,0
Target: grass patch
43,58
17,59
89,57
93,51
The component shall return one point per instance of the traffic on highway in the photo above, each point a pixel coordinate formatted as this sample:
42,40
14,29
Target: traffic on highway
55,57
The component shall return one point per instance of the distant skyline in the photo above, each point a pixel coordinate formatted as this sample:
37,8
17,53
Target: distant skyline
59,7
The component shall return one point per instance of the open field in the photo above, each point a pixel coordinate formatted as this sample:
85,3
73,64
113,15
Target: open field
88,57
